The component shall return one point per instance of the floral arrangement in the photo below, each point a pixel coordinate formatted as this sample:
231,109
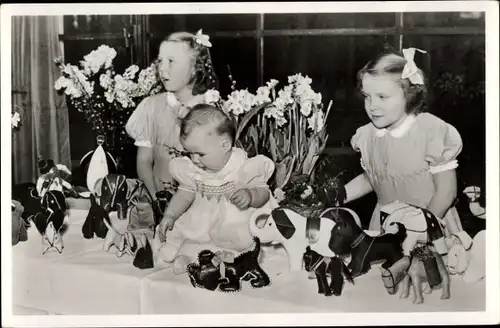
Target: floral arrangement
288,126
105,97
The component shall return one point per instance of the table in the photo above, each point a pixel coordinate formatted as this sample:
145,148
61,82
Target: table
85,279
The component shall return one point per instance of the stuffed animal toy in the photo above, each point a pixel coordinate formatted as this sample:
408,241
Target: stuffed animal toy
26,194
469,264
474,194
97,164
321,265
113,191
418,273
140,212
422,226
144,256
94,223
54,177
50,221
295,232
19,232
347,237
212,272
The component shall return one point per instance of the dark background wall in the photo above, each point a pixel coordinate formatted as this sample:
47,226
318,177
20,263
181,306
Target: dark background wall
329,47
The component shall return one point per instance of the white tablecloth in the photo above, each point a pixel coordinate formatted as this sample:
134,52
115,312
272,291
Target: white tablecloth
84,279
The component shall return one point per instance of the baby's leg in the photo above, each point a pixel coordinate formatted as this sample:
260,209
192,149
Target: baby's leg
170,249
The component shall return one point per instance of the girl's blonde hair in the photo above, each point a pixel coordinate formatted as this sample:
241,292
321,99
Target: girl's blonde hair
204,77
393,63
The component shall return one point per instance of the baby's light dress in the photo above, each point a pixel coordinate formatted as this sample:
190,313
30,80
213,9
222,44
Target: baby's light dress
400,163
155,124
212,218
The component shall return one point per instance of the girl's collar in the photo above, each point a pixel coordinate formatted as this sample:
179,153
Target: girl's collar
173,102
399,131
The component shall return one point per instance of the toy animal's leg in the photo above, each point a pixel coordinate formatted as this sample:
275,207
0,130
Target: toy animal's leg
109,240
231,284
323,286
337,282
426,289
294,257
409,243
405,291
170,249
261,278
445,277
418,298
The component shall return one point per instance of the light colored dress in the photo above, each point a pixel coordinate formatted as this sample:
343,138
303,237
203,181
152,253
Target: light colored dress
212,218
400,163
155,123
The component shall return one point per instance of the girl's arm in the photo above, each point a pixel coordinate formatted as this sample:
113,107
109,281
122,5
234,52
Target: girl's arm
445,183
357,188
179,204
145,169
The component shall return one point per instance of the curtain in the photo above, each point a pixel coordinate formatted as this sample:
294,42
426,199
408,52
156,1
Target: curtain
44,128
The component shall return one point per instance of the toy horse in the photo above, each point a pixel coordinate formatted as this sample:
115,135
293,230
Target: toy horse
321,265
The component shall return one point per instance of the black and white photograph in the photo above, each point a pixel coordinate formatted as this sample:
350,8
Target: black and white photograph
221,164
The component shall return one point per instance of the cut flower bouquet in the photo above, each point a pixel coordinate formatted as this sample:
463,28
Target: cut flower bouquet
106,98
289,126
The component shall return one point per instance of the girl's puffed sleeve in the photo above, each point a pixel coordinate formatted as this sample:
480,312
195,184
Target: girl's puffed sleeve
444,144
357,138
139,126
257,171
183,172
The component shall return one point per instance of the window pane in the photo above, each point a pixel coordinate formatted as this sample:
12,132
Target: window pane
78,24
241,56
443,19
328,20
164,24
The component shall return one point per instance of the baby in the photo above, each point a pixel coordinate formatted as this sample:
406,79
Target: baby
219,186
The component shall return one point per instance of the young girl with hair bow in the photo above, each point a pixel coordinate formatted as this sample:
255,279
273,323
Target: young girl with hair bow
407,155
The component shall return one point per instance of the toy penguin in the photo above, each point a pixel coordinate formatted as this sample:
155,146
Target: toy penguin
97,164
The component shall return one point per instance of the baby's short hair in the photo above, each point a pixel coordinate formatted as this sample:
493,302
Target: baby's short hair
204,114
391,62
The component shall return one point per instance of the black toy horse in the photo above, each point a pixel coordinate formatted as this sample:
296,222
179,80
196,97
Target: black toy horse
322,265
209,275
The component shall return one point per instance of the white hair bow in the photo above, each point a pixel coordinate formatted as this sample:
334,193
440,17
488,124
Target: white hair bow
410,69
203,39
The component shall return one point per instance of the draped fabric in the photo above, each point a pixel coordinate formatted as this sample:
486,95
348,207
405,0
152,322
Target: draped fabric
44,129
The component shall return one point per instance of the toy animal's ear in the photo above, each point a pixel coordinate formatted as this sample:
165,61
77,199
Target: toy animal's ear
283,223
308,248
97,187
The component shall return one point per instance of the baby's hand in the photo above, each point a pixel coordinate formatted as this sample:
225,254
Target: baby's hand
242,199
167,223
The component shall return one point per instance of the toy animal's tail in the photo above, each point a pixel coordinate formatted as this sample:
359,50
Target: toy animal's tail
401,234
256,247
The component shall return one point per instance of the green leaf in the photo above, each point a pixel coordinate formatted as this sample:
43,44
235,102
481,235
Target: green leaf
254,135
273,148
248,116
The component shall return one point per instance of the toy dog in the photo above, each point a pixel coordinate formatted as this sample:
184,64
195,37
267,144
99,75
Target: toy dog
321,265
295,232
212,272
417,273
